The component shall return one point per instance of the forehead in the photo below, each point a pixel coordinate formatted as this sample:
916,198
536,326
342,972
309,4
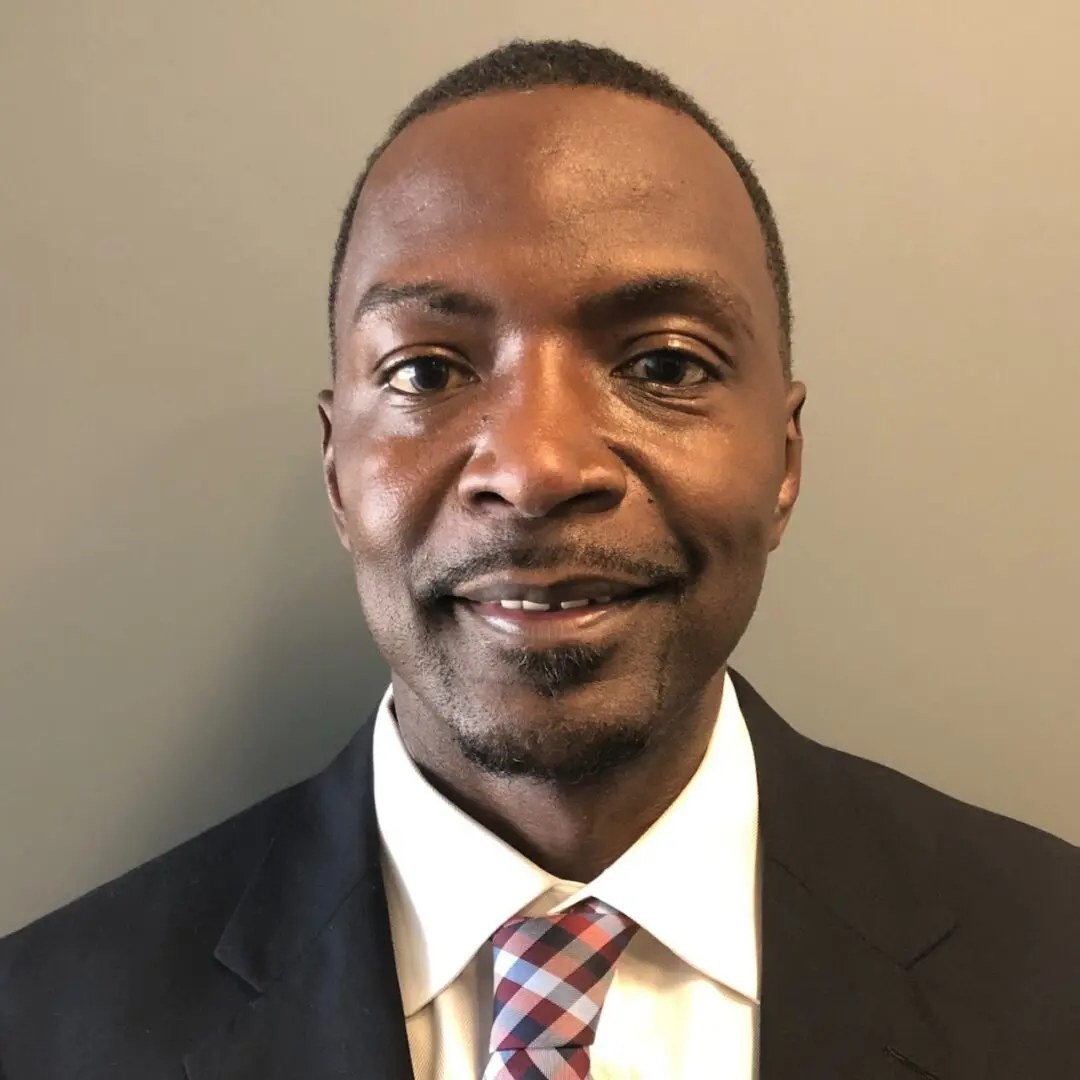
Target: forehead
535,196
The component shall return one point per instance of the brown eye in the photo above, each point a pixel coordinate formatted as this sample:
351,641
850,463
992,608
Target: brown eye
423,375
671,367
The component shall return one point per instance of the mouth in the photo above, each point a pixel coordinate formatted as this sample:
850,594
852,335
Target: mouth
526,623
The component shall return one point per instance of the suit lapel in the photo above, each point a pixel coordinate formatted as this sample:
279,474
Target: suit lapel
834,1006
848,914
312,937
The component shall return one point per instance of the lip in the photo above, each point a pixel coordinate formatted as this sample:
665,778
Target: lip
568,587
555,627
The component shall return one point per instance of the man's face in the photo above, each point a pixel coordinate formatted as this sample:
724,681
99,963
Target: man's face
558,379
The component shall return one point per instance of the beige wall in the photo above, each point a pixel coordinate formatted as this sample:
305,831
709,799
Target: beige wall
178,631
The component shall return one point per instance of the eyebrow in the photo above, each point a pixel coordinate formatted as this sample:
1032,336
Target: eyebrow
436,296
707,296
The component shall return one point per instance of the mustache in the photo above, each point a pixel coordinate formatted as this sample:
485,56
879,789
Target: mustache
589,559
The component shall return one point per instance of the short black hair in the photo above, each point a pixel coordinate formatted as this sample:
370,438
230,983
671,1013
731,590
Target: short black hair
528,65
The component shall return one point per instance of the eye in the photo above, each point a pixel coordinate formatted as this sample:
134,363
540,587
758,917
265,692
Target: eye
420,375
670,366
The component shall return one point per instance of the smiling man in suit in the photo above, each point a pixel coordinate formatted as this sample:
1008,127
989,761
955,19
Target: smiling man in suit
562,440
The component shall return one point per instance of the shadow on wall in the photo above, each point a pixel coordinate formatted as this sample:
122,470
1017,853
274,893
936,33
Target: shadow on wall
304,677
309,676
184,650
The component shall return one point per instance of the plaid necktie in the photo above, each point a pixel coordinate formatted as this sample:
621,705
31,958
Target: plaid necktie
551,976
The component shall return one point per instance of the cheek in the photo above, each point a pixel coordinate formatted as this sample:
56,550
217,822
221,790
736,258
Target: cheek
379,487
732,481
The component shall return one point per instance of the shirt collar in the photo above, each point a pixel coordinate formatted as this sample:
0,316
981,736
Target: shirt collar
690,880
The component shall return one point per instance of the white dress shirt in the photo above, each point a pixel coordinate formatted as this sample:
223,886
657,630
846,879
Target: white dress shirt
683,1001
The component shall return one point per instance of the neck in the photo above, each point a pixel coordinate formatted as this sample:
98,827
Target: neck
572,831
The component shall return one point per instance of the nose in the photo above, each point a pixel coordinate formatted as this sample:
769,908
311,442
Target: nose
541,449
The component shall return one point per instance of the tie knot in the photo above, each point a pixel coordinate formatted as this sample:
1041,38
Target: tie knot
552,974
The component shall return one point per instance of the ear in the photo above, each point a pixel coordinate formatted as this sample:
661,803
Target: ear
789,488
333,491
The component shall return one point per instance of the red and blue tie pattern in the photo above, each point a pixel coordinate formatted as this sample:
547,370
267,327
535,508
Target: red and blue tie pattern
551,977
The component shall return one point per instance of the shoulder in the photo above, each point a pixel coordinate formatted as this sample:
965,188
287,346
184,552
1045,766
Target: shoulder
961,842
1013,890
880,845
130,944
970,847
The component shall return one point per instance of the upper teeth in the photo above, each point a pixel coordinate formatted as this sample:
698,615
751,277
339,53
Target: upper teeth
532,605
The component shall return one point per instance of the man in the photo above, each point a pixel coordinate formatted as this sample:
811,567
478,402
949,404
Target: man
562,440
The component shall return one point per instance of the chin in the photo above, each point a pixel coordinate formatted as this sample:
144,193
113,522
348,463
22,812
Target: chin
561,749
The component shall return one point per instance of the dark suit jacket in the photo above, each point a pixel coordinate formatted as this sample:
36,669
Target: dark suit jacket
905,935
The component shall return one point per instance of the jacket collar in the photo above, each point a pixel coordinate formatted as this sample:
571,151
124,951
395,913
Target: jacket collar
840,840
851,906
848,912
311,934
